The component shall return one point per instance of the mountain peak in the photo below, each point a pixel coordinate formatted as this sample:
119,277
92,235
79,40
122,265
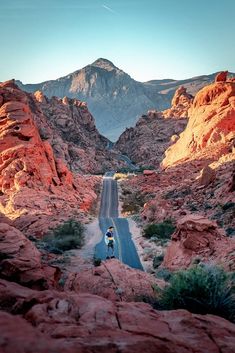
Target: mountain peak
104,64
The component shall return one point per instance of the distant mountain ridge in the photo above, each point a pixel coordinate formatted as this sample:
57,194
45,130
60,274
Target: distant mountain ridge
114,98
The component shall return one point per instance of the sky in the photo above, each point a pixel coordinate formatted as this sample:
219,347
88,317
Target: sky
151,39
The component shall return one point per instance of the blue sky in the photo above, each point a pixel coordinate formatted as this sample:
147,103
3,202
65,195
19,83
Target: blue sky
149,39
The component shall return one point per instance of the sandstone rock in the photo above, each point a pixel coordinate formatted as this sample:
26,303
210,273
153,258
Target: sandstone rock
79,322
211,126
37,189
148,172
21,261
197,236
70,129
207,176
221,77
146,143
180,104
18,336
115,281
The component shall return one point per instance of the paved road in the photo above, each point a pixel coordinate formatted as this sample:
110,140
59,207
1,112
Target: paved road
125,249
129,162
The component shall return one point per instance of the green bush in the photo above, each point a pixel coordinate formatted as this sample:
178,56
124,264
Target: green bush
202,289
97,261
162,230
163,273
228,205
157,260
230,231
67,236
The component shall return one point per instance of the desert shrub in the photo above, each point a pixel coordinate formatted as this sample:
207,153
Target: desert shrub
177,193
230,231
162,230
157,260
228,205
96,261
163,273
204,289
67,236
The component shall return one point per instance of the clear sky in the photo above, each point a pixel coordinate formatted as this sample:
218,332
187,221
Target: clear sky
149,39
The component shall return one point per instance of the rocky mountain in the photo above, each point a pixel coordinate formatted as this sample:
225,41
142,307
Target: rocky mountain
155,131
114,98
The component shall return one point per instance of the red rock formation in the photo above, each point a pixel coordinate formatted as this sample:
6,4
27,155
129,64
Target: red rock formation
146,143
20,260
71,322
180,104
35,186
211,126
221,76
199,238
115,281
70,129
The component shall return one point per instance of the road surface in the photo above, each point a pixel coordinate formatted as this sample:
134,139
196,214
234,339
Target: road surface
129,162
125,249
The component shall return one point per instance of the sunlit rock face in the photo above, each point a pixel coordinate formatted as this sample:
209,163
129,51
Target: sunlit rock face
211,128
146,143
180,104
37,188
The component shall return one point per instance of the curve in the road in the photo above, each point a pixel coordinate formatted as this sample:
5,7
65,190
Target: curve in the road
125,249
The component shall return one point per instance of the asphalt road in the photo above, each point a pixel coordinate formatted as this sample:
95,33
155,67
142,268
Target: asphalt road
125,249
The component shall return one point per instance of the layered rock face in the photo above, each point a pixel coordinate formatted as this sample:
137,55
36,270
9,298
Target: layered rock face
35,185
68,322
70,128
211,128
146,143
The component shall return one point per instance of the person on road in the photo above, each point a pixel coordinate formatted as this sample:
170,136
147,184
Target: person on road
109,241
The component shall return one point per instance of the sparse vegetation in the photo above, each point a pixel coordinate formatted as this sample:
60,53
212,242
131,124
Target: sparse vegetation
96,261
203,289
230,232
157,260
67,236
163,273
133,202
161,231
174,194
228,206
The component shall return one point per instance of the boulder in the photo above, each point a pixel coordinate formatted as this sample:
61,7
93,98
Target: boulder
221,76
21,261
197,237
115,281
180,104
207,176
